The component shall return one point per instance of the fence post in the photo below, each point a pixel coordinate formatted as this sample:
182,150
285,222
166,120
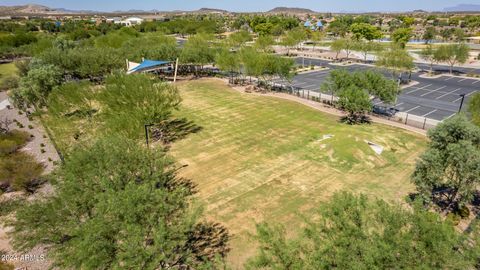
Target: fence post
424,122
406,119
308,94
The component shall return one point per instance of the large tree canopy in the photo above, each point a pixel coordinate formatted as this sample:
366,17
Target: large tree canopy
448,173
118,205
353,232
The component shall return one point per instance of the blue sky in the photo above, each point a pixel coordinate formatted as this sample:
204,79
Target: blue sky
249,5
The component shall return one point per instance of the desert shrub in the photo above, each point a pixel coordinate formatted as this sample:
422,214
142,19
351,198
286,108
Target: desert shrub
12,141
20,171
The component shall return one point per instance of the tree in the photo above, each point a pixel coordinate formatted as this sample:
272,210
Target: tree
119,205
365,31
337,46
401,36
131,101
474,108
354,232
356,102
428,53
343,44
366,47
397,60
228,61
430,34
315,37
355,89
239,38
294,37
263,43
197,51
35,87
452,54
448,173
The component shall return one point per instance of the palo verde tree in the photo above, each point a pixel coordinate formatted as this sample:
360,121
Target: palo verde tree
354,232
397,60
428,53
366,47
452,54
119,205
131,101
448,173
346,44
228,61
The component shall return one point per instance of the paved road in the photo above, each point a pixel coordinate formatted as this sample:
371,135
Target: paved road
435,98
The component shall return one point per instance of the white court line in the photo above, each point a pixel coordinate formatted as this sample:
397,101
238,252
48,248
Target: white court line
412,109
429,113
421,88
448,93
433,91
450,116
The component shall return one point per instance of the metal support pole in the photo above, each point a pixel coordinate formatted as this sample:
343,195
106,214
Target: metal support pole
461,103
146,132
424,122
406,119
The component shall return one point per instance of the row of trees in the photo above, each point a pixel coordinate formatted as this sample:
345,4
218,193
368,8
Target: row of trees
451,54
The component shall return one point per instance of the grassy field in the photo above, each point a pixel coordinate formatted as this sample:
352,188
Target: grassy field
6,70
264,159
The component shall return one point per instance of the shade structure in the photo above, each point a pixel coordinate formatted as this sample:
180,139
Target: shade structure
147,65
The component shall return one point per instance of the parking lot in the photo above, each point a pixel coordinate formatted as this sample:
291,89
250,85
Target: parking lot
434,98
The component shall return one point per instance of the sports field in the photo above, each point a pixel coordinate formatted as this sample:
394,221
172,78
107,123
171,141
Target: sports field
266,159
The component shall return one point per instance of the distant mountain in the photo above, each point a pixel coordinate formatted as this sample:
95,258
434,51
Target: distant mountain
211,10
289,10
38,10
463,7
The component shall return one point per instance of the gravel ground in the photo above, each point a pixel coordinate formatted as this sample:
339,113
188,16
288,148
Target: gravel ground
43,150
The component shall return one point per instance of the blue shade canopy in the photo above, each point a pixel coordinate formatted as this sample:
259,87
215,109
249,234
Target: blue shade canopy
307,24
319,24
148,64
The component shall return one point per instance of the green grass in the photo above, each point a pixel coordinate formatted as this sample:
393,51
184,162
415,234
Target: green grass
7,70
263,159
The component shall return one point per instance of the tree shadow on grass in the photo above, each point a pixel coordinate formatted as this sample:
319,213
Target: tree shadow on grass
172,130
355,119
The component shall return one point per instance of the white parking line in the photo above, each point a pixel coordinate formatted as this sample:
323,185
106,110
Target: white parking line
399,104
449,78
412,109
450,116
462,80
448,93
429,113
431,91
475,82
421,88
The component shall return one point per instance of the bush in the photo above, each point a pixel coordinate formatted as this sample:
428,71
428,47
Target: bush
20,171
12,141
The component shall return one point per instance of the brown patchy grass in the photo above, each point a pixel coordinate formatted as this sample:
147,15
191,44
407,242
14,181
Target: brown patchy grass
263,159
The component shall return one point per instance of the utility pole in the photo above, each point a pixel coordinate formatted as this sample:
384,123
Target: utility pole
461,103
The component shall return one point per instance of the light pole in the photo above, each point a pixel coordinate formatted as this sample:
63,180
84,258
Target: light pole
461,103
